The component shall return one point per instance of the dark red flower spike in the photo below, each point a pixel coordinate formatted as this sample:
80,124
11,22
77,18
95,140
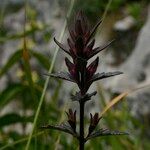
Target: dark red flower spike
81,49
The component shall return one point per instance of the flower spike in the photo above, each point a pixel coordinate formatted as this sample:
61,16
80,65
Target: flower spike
80,46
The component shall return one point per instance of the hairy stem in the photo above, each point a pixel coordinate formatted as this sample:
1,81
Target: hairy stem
82,103
81,138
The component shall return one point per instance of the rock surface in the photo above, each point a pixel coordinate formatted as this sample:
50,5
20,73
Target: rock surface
137,72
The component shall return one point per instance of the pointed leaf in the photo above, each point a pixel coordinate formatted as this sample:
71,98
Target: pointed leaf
62,75
71,67
104,132
99,49
88,49
14,58
94,120
72,48
62,46
91,69
93,30
72,119
71,32
65,127
103,75
91,44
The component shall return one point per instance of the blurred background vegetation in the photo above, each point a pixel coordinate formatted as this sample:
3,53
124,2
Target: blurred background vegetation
25,55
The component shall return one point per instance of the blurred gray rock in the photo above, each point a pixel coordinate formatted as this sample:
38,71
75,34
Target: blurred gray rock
125,24
137,72
9,6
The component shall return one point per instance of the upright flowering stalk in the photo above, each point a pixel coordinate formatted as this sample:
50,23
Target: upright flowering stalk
81,49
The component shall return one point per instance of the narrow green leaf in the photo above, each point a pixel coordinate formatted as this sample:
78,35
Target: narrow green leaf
7,146
21,35
43,60
11,61
9,93
12,118
27,68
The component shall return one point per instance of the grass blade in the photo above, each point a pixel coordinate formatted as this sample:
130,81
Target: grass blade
43,60
12,118
47,79
11,61
9,93
20,141
113,102
119,98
